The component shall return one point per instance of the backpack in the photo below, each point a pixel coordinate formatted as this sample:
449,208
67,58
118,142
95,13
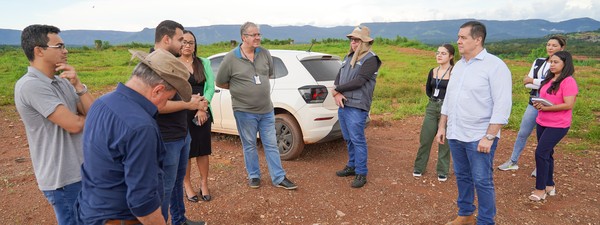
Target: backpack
536,68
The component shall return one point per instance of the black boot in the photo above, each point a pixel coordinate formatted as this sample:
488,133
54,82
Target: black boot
347,171
359,181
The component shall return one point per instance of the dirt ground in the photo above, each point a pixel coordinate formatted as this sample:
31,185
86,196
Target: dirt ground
391,196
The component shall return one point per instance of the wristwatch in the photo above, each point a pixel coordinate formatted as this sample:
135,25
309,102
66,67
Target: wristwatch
490,137
83,91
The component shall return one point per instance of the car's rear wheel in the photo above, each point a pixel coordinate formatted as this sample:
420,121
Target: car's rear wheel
289,136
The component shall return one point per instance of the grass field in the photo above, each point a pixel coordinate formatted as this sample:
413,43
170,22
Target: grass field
399,92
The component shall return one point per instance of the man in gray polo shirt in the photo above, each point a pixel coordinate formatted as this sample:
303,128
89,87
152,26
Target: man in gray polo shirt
53,109
245,71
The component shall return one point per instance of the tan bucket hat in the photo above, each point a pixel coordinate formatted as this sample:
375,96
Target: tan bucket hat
361,32
169,69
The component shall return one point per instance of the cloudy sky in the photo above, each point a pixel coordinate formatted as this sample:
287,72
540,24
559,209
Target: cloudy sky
135,15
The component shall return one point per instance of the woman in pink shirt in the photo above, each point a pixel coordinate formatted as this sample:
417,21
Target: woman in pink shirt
553,121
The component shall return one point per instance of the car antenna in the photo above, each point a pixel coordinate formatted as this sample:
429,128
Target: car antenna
311,44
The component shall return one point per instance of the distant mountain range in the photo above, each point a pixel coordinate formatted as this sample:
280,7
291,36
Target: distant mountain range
430,32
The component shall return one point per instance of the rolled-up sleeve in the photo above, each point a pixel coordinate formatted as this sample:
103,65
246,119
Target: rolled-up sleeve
142,171
501,91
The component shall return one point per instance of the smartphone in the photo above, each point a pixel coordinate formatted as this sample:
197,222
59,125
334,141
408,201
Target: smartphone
195,121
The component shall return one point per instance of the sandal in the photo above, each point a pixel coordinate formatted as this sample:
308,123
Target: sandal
552,192
535,198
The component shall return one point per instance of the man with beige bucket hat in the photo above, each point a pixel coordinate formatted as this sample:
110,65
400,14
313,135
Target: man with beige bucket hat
353,93
122,176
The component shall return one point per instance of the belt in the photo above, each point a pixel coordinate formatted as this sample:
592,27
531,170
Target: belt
436,99
122,222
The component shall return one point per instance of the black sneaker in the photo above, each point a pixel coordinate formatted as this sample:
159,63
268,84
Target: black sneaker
254,182
359,181
347,171
287,184
190,222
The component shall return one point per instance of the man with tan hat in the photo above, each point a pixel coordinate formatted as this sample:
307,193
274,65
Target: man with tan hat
122,176
353,93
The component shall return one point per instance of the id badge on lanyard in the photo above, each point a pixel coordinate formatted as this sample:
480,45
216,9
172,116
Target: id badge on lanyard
257,79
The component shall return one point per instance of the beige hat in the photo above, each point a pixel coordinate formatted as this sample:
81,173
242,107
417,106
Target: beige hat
169,69
362,33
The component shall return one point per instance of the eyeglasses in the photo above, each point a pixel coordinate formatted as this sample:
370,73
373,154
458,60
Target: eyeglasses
257,35
59,46
355,40
190,43
441,53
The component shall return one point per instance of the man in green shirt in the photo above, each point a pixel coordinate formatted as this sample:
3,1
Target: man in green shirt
245,71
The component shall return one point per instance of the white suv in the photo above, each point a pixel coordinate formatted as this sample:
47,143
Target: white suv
305,112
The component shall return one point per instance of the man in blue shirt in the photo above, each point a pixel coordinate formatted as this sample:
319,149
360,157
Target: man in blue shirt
477,104
122,175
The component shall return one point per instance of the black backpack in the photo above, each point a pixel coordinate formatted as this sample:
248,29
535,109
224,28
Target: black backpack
536,68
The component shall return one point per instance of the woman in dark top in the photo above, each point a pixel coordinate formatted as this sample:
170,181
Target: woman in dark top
199,122
437,81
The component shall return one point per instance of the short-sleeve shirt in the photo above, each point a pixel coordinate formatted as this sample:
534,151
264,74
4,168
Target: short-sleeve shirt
55,153
241,74
122,174
558,119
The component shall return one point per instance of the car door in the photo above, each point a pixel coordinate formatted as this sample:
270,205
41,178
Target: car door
224,122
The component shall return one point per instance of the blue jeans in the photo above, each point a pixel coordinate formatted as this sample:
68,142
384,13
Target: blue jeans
474,170
352,122
63,201
527,125
248,125
548,137
174,166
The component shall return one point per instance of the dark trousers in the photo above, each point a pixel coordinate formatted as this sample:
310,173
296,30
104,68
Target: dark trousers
428,132
547,137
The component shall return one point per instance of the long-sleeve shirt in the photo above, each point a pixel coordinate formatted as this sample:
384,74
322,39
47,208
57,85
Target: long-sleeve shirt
365,74
479,94
122,174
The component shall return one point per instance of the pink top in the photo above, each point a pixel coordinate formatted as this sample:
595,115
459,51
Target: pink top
557,119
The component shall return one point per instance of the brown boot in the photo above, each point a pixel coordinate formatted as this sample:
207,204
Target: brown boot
463,220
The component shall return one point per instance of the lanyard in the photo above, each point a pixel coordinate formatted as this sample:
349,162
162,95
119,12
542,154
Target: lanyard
256,77
438,81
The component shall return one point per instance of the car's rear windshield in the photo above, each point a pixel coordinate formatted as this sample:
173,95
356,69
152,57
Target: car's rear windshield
324,69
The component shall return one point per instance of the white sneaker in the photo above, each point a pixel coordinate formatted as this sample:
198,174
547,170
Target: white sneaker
534,172
508,165
416,174
442,178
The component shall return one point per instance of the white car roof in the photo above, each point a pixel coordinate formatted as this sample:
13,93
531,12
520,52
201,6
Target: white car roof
300,55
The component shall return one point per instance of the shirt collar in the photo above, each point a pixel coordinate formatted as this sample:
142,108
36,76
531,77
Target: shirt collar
238,51
150,108
37,73
480,56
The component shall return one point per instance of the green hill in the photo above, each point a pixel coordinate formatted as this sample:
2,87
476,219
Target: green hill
579,44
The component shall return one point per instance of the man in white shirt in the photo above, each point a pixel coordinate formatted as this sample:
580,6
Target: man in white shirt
477,104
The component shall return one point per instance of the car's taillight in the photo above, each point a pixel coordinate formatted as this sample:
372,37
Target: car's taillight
313,93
